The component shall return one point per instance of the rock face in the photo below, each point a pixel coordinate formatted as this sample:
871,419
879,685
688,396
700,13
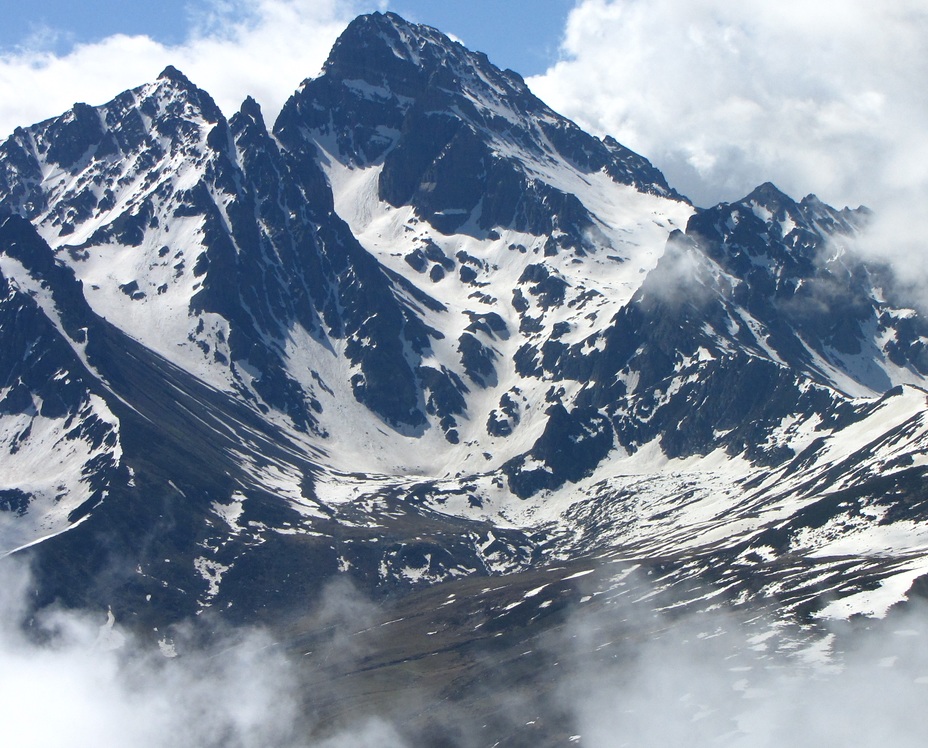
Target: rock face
466,144
425,328
61,443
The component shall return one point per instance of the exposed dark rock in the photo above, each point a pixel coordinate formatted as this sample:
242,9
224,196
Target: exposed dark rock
477,360
572,445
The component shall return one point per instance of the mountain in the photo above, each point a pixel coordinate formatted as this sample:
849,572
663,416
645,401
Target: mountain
427,334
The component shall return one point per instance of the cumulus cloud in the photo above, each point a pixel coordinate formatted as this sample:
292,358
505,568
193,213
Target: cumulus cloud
817,97
234,48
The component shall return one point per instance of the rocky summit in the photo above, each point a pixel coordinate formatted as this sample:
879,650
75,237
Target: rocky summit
424,334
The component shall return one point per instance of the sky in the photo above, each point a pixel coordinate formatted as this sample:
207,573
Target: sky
824,97
520,34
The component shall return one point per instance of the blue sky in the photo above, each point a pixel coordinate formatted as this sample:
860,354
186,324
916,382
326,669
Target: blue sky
520,34
90,20
523,35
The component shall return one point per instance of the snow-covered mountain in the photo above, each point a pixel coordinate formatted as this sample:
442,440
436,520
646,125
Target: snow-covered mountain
425,329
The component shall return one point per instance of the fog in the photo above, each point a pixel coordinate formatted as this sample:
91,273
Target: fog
71,678
629,677
709,679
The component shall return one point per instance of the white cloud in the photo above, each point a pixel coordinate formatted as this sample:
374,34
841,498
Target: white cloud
817,97
75,678
734,678
72,679
235,48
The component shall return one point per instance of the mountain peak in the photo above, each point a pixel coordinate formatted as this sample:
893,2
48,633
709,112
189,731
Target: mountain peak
394,24
439,114
381,46
248,118
180,85
388,19
768,194
171,73
423,46
251,108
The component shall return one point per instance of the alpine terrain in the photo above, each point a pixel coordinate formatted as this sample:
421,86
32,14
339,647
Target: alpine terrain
426,335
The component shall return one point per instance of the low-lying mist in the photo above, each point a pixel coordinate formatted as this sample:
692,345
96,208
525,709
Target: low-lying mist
716,679
72,678
625,677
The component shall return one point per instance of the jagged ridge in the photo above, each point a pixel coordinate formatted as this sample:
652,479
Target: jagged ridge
427,328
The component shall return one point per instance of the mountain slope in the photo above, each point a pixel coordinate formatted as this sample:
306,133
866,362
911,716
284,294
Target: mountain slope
425,328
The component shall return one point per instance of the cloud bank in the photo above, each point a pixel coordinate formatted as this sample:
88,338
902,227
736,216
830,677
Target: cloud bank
819,97
74,678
